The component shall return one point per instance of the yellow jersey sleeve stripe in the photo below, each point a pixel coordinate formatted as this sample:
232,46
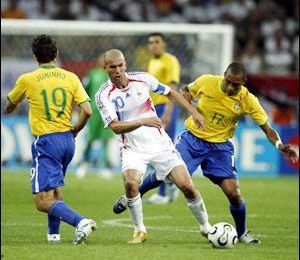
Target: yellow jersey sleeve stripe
9,100
87,100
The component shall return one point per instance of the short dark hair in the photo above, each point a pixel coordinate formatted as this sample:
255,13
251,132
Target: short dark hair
157,34
44,48
236,68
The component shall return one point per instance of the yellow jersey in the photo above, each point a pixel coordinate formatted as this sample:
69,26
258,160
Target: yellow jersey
221,112
166,69
50,92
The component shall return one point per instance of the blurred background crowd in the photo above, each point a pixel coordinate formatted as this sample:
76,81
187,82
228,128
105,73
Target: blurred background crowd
266,32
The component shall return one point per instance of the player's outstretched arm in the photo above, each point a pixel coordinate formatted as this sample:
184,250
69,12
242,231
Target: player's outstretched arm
274,138
184,91
177,98
84,115
121,127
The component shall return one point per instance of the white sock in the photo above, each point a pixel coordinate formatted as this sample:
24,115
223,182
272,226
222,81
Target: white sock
136,212
198,209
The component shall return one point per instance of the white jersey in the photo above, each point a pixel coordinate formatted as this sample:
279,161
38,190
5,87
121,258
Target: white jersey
132,103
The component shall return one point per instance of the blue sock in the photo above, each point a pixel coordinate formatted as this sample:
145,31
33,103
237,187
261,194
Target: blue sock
53,224
162,190
61,210
149,183
239,215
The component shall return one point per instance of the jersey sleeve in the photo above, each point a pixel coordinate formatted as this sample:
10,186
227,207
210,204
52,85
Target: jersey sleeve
195,87
80,95
17,94
157,87
256,111
106,109
173,70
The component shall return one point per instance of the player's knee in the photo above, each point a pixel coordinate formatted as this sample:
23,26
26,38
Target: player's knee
41,206
235,198
131,185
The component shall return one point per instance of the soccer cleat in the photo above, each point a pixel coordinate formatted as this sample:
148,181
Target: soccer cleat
53,238
205,229
120,205
138,238
83,230
157,199
248,238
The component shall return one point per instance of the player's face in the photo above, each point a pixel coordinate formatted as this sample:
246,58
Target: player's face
156,45
233,83
116,70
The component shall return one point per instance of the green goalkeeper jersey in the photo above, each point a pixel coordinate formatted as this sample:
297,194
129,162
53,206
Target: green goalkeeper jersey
92,82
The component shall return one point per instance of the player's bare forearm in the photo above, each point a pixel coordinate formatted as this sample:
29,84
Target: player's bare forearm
166,118
184,91
274,138
84,115
121,127
271,134
10,107
177,98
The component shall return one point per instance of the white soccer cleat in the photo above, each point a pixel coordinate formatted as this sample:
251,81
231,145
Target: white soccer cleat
53,238
83,230
157,199
247,238
205,229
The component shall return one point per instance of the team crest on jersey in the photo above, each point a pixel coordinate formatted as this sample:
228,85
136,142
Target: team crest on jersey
236,106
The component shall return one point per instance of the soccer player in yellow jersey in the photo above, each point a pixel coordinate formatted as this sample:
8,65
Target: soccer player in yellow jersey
222,101
51,93
166,68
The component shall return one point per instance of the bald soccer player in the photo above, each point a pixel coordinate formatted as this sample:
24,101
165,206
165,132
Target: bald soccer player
126,107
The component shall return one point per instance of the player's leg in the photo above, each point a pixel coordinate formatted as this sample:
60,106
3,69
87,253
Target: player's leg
53,235
52,153
219,167
231,189
186,145
180,176
133,168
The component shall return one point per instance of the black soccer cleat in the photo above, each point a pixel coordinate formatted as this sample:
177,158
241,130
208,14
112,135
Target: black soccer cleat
120,205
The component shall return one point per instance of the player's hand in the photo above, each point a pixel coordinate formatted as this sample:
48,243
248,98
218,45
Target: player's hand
288,152
198,119
187,96
151,122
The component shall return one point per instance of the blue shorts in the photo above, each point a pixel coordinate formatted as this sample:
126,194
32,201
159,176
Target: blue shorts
216,159
51,154
171,130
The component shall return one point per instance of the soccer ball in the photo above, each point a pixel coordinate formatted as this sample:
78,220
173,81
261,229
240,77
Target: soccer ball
223,235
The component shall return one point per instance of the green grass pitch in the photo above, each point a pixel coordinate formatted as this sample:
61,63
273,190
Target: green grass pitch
272,207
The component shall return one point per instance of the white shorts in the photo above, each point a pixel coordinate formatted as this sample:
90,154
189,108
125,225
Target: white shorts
163,161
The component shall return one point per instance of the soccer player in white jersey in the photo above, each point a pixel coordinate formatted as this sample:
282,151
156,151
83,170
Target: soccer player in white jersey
126,107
